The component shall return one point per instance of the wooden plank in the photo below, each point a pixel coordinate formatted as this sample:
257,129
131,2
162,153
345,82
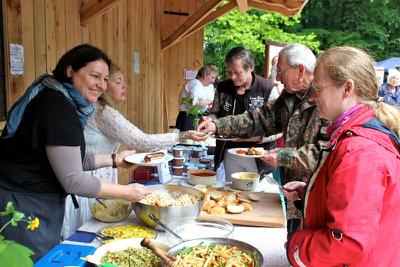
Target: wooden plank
95,8
204,11
27,20
51,47
268,212
274,7
13,31
40,57
211,17
242,5
60,26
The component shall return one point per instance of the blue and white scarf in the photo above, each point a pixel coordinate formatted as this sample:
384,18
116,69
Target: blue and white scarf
83,109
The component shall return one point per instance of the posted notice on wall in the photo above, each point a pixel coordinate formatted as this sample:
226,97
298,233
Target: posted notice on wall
16,59
189,74
136,62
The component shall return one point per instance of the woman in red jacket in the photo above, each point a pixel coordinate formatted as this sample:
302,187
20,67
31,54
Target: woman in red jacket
351,209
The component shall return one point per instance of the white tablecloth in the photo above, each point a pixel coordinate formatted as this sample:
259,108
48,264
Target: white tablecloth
270,241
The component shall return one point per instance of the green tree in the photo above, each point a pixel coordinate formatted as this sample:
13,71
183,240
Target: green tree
370,24
249,29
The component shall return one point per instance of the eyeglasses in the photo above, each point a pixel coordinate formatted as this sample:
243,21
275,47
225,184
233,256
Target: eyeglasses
282,71
317,89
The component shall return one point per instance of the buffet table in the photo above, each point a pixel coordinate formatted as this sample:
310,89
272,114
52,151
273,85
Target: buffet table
270,241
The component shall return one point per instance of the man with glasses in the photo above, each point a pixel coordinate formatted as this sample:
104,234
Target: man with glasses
242,91
293,113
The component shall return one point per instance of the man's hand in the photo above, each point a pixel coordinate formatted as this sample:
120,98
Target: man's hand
270,157
207,127
205,118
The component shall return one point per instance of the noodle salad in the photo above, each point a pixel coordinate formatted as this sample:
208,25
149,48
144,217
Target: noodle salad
215,255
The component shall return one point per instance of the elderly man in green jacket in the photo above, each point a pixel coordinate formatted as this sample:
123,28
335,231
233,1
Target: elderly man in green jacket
293,113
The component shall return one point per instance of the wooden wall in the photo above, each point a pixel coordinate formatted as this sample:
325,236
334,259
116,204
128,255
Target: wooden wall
187,54
48,28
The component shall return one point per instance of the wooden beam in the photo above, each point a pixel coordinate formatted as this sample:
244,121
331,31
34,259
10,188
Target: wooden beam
211,17
190,23
95,8
278,6
242,5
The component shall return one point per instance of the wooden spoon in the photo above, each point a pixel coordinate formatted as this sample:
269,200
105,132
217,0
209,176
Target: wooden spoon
165,256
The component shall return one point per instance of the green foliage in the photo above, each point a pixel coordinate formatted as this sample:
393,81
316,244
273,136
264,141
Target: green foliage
195,111
249,29
373,25
13,254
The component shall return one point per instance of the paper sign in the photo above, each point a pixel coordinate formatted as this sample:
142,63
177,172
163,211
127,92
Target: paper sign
189,74
164,174
136,62
16,59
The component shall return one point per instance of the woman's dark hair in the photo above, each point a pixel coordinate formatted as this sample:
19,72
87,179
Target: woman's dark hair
78,57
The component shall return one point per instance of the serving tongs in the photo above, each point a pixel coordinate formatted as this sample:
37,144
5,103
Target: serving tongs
155,219
165,256
104,237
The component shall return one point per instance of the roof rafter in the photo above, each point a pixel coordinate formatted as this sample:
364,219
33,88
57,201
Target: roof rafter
210,12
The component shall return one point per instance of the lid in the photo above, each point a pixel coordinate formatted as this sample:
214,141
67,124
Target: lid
66,255
177,148
204,148
200,165
177,167
197,149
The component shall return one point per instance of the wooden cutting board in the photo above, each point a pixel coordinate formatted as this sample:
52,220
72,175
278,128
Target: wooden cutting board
267,212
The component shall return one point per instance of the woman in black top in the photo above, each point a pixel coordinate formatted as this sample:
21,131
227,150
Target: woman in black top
42,148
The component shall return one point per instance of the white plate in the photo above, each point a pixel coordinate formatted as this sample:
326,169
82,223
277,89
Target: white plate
233,151
222,138
138,159
186,183
260,188
121,245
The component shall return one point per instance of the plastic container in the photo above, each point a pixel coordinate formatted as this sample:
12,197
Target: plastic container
201,166
177,151
186,165
197,153
205,151
177,170
179,161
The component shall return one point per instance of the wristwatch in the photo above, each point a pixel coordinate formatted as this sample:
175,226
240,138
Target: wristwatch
260,141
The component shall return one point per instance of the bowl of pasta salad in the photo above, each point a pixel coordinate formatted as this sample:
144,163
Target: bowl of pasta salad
169,203
218,251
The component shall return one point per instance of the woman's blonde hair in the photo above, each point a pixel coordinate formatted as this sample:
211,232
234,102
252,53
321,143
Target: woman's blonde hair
105,99
350,63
